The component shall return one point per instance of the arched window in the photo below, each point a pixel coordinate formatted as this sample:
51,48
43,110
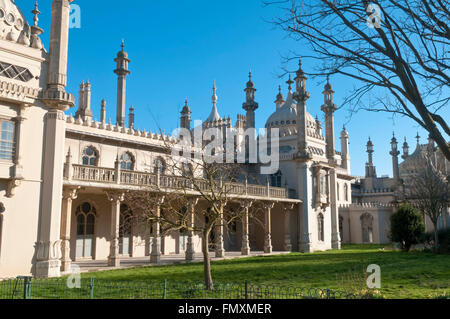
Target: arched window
321,227
90,156
275,179
127,161
367,228
86,215
125,230
159,165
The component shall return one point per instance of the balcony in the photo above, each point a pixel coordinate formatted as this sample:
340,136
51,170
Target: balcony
89,176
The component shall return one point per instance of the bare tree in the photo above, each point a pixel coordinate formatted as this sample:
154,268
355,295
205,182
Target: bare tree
429,191
396,50
170,203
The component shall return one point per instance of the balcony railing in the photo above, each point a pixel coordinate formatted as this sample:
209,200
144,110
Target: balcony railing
131,178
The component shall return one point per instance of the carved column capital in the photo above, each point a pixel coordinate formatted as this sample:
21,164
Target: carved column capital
247,203
288,207
71,192
116,196
268,205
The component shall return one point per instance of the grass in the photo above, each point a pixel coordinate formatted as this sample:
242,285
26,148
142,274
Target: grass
403,275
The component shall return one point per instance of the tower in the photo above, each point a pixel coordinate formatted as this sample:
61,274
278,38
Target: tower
370,168
103,112
329,108
345,150
122,72
185,119
301,96
48,245
84,101
250,105
405,150
395,153
280,98
131,117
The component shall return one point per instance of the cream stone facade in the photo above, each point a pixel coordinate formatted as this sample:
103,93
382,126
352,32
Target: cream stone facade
63,177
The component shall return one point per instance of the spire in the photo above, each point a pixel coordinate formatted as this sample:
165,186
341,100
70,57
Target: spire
35,30
185,120
250,106
370,168
418,139
131,117
103,111
289,83
214,116
36,12
395,153
300,81
280,98
122,72
405,149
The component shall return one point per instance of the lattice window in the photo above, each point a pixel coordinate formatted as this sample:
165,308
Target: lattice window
127,162
15,72
7,140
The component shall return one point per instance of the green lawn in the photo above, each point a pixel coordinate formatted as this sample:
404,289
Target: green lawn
403,275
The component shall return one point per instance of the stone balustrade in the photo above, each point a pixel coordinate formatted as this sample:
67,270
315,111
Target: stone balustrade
132,178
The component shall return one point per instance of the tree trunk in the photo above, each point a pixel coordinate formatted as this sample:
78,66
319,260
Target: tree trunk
436,238
207,261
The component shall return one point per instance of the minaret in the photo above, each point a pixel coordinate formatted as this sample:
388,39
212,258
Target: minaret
250,105
214,116
57,100
131,117
370,168
345,150
185,119
329,108
80,100
122,73
301,96
103,112
405,150
280,98
36,31
395,153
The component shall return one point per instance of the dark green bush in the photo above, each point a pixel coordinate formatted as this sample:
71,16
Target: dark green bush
407,227
444,240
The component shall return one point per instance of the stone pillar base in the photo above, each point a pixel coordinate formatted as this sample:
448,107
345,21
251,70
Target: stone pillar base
336,245
268,249
220,253
48,269
245,251
336,241
155,258
190,255
66,265
114,262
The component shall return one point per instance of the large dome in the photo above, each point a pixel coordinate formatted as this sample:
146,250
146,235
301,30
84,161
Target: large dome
286,115
13,25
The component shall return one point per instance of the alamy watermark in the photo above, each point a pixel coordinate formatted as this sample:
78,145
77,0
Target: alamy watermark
374,20
374,279
229,145
74,280
75,17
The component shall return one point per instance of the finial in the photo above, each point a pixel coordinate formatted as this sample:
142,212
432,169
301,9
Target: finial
131,108
214,97
279,89
290,82
418,138
123,45
186,102
250,75
36,12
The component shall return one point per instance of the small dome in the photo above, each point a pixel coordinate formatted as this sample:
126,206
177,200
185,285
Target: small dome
13,25
287,115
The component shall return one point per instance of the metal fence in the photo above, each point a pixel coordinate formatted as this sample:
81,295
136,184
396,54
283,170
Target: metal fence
28,288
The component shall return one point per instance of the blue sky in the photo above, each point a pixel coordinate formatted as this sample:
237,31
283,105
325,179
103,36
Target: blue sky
177,48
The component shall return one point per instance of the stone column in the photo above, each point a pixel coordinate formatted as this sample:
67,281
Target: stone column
155,256
305,190
220,249
268,249
190,251
116,199
287,226
69,194
245,249
335,235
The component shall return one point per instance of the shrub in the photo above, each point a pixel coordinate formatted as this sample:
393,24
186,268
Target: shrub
407,227
444,240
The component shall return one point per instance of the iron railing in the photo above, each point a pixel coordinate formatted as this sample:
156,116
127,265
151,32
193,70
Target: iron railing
28,288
